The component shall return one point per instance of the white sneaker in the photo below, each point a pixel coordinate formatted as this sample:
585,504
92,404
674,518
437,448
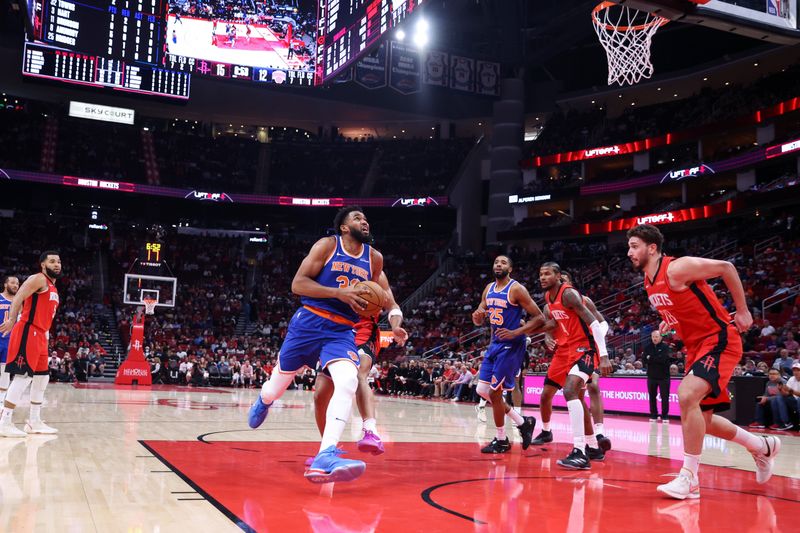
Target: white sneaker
765,460
481,413
681,488
39,428
11,431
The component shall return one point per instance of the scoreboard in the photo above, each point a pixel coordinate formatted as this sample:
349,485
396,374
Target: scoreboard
122,29
43,61
116,44
347,28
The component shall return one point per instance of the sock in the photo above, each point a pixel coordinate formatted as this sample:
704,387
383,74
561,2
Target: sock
691,463
36,413
370,424
345,383
598,429
748,440
5,418
515,417
576,421
482,403
591,440
545,426
501,433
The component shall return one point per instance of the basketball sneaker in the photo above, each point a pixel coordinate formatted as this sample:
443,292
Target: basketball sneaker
497,446
371,443
11,431
594,454
39,428
576,460
526,431
481,412
766,459
543,437
604,443
328,467
258,413
681,488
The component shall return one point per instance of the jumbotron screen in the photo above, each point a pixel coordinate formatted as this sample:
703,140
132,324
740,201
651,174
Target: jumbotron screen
272,42
115,44
347,28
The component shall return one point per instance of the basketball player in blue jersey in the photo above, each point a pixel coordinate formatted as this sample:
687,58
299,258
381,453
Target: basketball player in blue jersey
10,288
322,330
504,301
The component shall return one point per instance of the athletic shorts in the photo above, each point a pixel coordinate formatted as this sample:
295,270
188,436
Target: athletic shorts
27,350
565,363
312,337
713,360
502,363
368,340
4,348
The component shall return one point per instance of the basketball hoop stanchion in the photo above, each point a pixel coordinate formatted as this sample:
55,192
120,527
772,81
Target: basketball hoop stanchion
626,35
136,368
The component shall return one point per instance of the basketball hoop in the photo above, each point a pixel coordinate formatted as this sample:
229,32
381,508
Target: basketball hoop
149,305
626,35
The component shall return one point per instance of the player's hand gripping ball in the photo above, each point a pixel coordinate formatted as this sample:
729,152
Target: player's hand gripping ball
375,297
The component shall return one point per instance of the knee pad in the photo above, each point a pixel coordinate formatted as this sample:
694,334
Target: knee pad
484,390
344,376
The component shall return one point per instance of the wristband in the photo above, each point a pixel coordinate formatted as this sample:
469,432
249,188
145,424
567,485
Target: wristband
395,312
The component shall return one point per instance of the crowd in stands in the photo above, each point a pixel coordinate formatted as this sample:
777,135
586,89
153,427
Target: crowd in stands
568,129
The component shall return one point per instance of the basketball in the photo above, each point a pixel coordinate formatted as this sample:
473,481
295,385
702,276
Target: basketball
376,298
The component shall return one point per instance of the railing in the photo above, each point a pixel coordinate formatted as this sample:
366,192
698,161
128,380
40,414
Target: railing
760,247
778,298
472,335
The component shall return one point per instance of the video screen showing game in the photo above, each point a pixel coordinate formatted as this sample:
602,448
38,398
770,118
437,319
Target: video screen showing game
259,34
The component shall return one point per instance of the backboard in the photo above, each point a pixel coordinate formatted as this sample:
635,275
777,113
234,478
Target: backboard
137,287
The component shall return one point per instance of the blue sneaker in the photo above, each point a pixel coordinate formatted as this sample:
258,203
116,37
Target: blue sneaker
329,467
258,413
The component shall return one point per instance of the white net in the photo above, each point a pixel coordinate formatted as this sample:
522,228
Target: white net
149,306
626,35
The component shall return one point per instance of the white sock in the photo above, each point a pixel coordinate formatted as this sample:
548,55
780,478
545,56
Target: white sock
598,429
36,413
345,383
591,440
691,464
515,417
545,426
748,440
5,418
482,402
576,421
276,385
370,424
501,433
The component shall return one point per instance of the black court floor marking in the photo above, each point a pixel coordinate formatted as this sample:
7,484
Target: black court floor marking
427,498
213,501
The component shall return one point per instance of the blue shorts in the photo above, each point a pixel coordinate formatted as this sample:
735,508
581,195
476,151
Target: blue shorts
311,338
4,348
502,363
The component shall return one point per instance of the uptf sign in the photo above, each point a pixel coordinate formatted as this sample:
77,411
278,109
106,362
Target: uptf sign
622,395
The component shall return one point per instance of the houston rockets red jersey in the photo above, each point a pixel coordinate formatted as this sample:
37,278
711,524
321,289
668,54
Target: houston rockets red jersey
368,333
39,309
571,334
694,312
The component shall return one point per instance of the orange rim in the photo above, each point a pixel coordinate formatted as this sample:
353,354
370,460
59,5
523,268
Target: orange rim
657,21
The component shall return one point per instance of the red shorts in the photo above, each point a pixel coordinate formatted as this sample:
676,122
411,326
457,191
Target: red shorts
713,360
368,339
562,363
27,350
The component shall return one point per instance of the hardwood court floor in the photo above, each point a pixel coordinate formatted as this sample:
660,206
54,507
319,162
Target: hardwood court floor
178,459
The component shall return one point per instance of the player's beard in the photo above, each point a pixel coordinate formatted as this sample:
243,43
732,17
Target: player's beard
360,236
51,273
503,274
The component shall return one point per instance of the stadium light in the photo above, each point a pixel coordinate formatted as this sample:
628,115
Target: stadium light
420,40
421,33
400,35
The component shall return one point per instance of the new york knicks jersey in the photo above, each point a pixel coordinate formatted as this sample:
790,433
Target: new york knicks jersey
5,309
341,270
502,313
